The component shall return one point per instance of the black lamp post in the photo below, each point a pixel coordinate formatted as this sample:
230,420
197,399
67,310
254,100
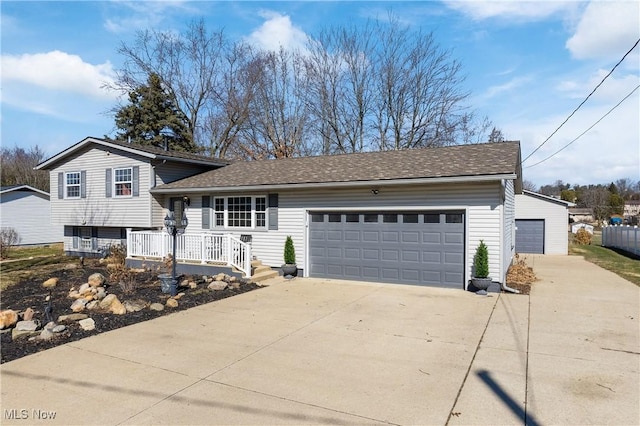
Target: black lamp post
174,229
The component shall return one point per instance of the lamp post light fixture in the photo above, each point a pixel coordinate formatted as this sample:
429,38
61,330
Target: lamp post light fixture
174,229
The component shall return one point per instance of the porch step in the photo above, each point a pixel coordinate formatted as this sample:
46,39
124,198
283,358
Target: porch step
261,272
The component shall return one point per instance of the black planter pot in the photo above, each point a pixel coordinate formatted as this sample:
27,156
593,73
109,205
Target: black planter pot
165,282
290,269
481,283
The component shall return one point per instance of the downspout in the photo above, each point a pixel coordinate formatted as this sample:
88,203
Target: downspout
505,287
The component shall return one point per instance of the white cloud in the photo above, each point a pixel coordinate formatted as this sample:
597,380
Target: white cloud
612,90
509,86
515,10
607,29
140,15
277,31
58,71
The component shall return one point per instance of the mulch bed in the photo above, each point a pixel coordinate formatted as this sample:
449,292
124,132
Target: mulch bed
30,293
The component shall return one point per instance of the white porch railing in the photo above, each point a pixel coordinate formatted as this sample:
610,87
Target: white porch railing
626,238
204,248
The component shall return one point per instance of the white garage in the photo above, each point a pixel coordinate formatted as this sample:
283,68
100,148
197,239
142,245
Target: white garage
541,224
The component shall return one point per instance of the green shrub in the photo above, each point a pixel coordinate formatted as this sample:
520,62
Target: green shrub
481,261
289,252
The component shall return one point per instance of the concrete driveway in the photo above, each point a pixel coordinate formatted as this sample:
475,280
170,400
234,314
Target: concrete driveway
312,351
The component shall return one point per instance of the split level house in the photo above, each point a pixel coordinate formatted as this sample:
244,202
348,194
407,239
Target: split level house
409,217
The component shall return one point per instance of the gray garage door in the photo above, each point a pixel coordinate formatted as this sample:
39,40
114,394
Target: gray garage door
530,236
423,248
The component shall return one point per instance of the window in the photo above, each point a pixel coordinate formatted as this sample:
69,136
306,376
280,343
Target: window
335,218
86,242
72,184
123,181
432,218
317,217
218,207
409,218
240,212
390,218
353,217
370,218
261,212
454,218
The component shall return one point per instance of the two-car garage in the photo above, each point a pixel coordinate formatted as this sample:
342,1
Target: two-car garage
409,247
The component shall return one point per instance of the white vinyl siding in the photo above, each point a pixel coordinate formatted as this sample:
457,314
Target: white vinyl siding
556,219
29,213
481,203
96,209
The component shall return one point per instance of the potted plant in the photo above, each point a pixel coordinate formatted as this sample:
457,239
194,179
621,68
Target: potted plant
289,268
481,279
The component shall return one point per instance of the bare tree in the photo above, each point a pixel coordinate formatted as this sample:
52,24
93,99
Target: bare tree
278,112
17,167
596,198
188,64
419,103
529,186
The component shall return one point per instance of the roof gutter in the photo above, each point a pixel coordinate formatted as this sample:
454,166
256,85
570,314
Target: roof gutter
352,184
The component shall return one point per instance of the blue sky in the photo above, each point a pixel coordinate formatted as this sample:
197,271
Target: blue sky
527,66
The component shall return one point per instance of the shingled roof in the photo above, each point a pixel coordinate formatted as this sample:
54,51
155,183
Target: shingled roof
144,150
495,160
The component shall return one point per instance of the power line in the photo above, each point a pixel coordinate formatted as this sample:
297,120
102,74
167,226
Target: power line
585,100
590,127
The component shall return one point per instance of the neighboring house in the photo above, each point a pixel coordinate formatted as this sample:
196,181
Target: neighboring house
631,208
411,217
101,188
580,214
27,210
541,224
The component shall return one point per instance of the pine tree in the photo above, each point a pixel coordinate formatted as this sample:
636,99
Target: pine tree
152,118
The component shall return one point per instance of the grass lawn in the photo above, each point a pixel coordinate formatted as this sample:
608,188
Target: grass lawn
22,262
625,265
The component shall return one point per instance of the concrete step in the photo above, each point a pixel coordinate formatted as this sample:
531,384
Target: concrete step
264,275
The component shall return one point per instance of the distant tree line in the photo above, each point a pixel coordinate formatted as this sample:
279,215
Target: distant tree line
17,167
380,86
604,200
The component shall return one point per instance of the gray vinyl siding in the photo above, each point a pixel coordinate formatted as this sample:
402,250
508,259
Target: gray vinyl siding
29,213
509,215
104,238
167,172
555,216
97,209
481,202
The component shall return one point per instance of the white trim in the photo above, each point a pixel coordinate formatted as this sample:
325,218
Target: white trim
66,186
114,182
254,214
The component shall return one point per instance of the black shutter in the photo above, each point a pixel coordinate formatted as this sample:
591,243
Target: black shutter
107,183
83,184
60,186
76,237
136,181
206,212
273,212
94,239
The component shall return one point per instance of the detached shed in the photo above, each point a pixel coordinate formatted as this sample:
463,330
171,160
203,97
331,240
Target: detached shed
541,224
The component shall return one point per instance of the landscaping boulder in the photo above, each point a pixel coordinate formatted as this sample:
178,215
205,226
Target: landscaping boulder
8,318
87,324
50,283
78,305
156,307
96,280
28,314
172,303
72,317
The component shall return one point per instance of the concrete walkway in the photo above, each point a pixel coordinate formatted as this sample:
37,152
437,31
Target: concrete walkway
311,351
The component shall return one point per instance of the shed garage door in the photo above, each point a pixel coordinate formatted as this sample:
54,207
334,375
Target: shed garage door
422,248
530,236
